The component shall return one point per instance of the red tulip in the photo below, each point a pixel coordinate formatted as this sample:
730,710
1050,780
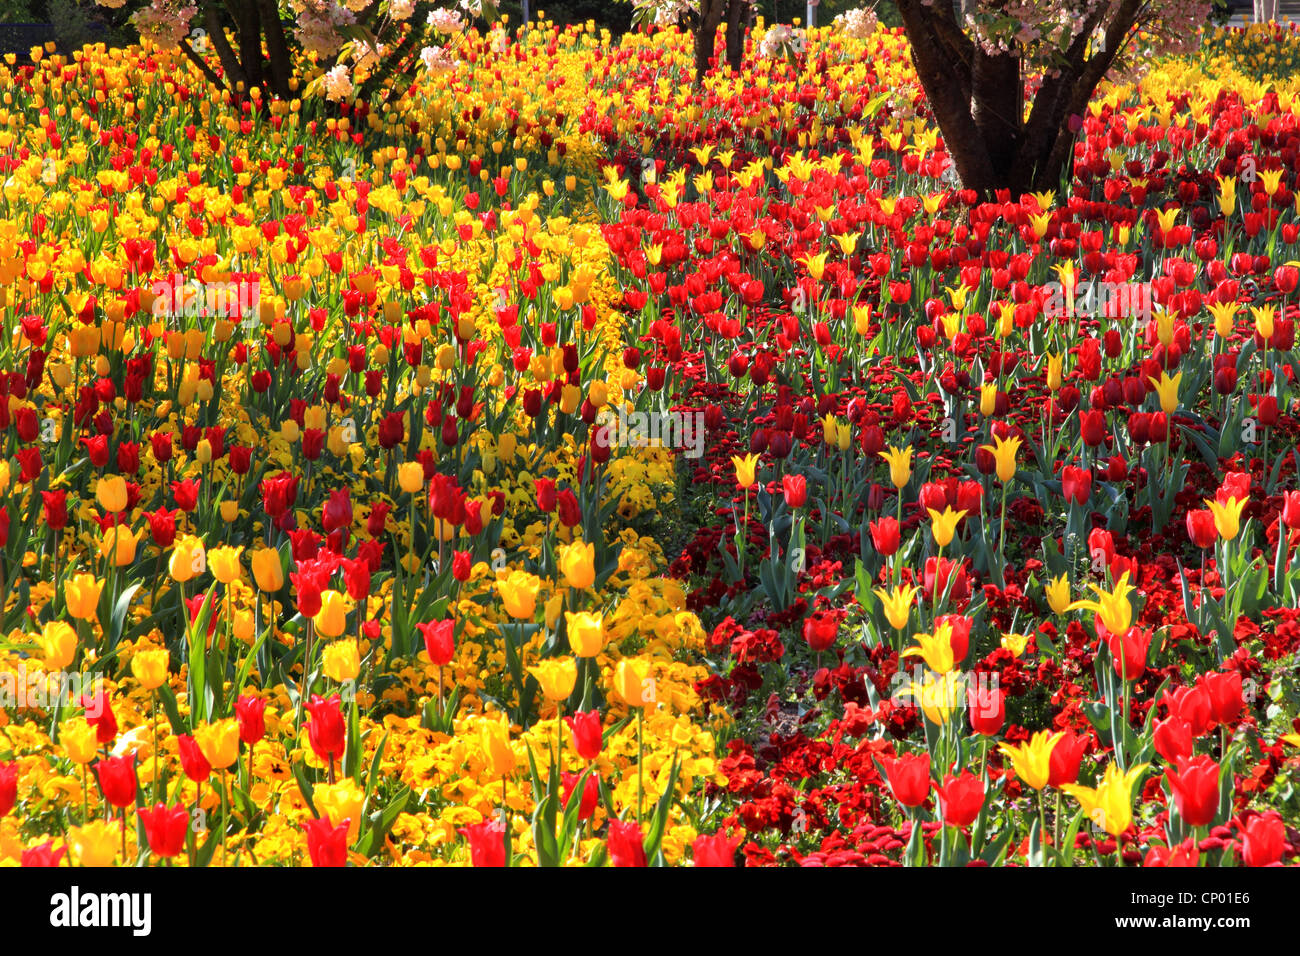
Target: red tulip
8,787
166,828
193,762
885,535
1065,759
795,490
43,855
327,844
1076,484
99,714
626,844
1291,509
960,798
715,850
56,508
820,630
1184,854
1129,652
117,779
1191,704
590,793
909,778
1263,840
545,489
439,641
251,713
326,730
585,728
1224,690
1173,739
959,627
1200,528
986,707
1195,786
487,842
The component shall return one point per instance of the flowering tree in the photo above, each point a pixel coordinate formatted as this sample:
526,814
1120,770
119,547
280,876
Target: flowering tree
976,67
343,50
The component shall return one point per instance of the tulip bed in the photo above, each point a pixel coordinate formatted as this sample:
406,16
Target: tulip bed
562,466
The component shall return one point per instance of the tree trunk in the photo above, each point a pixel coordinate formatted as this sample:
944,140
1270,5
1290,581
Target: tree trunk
997,106
738,16
706,31
248,24
277,48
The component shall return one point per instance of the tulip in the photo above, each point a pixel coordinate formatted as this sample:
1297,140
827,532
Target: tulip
585,733
1113,609
1201,529
1167,391
117,779
1227,516
150,667
1058,594
342,661
58,644
43,855
900,465
1032,759
77,738
439,641
1263,840
1066,756
219,742
342,801
1129,652
935,649
626,844
518,593
494,743
1076,484
577,561
897,604
110,492
937,695
909,778
165,828
487,842
1004,453
795,490
327,845
268,572
326,730
986,707
943,525
8,787
960,798
193,763
885,535
633,683
556,678
1184,854
1110,804
118,544
81,596
188,559
410,477
224,562
250,711
95,844
332,618
746,470
1224,689
1195,787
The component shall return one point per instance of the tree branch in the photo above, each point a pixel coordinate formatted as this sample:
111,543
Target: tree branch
197,60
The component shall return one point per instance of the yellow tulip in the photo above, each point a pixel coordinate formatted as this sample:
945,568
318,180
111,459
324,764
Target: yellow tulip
410,477
188,559
1004,454
900,465
557,677
224,562
1058,594
494,742
58,643
518,593
633,683
341,661
1114,608
1015,643
118,543
268,572
1227,518
586,633
935,649
944,525
1110,804
95,844
746,470
1167,391
150,666
79,740
341,801
578,562
1032,759
110,492
332,618
219,742
938,695
898,604
81,596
